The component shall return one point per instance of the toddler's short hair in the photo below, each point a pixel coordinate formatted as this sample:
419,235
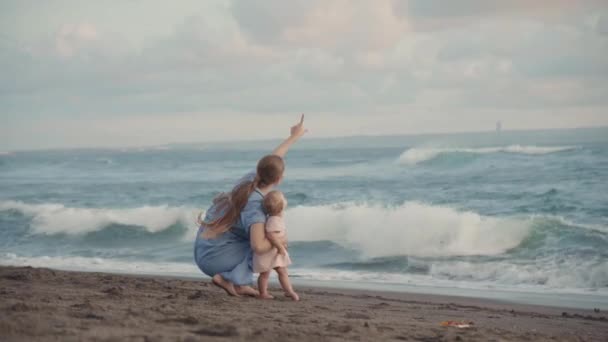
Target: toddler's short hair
274,202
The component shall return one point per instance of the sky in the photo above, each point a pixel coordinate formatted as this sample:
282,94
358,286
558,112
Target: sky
117,73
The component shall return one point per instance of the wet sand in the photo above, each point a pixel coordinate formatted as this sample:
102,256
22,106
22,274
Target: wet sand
47,305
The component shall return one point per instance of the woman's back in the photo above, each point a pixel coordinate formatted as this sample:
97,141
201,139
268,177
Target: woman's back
253,212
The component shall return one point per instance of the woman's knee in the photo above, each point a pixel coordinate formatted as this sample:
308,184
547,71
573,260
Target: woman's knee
205,269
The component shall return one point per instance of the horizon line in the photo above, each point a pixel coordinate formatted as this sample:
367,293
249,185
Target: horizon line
257,140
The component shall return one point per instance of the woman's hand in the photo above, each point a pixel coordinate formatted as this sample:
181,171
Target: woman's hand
298,130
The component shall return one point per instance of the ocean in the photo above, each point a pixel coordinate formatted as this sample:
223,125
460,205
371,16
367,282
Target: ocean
506,212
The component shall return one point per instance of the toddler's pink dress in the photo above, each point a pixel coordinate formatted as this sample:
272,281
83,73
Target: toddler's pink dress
271,259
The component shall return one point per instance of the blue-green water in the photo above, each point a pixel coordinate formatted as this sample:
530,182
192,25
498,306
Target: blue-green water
511,211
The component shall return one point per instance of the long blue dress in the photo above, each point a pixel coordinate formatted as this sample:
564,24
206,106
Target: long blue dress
230,254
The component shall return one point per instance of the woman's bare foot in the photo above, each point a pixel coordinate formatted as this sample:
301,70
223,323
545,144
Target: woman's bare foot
225,285
246,291
293,295
265,296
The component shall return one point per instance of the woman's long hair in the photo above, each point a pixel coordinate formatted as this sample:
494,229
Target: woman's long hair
269,171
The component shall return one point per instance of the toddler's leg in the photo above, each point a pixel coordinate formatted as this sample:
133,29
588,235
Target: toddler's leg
263,285
286,284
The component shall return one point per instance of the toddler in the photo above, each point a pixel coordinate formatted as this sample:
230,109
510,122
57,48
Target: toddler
277,258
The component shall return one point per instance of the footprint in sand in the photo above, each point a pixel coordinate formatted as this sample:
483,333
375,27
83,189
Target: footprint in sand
356,315
340,328
219,330
379,305
189,320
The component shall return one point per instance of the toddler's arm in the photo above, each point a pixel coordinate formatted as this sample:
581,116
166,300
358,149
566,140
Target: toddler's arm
277,242
273,234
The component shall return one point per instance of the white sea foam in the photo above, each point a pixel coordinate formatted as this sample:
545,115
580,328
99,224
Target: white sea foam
105,161
414,229
549,272
417,155
563,221
52,218
73,263
411,229
512,277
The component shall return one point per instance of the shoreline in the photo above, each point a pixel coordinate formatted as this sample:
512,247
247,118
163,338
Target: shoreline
39,304
560,299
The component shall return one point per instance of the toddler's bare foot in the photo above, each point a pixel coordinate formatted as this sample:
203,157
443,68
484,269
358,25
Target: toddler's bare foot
293,295
265,296
247,291
225,285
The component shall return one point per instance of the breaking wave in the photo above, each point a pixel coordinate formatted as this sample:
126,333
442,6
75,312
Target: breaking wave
418,155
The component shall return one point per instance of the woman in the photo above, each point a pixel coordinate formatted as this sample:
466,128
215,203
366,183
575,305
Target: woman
234,225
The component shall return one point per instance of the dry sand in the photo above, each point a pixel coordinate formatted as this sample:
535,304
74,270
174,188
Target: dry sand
49,305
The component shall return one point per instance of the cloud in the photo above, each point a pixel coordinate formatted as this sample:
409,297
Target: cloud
72,37
602,24
473,8
439,15
341,58
333,25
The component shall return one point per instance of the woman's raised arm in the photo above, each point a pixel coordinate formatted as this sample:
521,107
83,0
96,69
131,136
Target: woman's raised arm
259,243
296,133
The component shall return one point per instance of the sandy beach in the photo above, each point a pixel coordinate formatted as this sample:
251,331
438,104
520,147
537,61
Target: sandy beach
48,305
